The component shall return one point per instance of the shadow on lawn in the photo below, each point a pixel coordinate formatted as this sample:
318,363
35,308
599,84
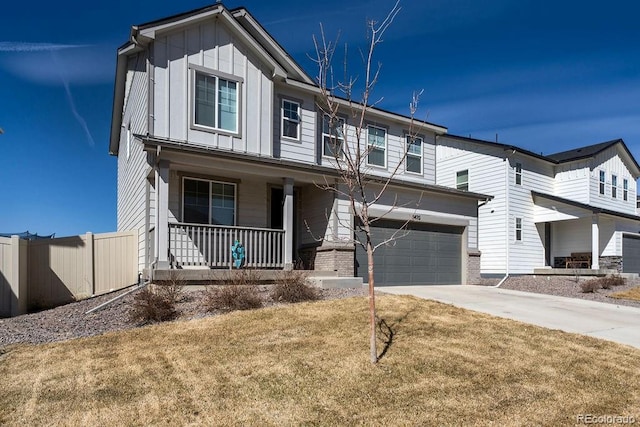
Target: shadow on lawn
388,332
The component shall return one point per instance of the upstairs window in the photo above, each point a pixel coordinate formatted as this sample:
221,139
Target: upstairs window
518,173
290,119
128,140
518,229
376,146
625,189
208,202
414,154
462,180
614,186
332,136
215,102
602,182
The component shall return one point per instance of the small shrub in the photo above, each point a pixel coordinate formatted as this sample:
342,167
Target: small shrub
151,306
172,289
292,287
590,286
612,281
237,292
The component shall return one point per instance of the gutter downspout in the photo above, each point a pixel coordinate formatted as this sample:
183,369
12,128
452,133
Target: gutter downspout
506,214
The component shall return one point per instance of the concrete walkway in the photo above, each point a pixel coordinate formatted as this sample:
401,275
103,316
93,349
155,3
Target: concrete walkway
596,319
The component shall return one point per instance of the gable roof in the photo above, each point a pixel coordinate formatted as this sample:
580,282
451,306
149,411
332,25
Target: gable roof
238,20
565,156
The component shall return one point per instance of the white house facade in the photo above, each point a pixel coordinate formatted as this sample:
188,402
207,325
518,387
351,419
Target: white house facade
219,138
575,209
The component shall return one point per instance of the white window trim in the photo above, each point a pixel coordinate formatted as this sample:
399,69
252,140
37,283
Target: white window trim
518,170
602,185
195,69
518,229
283,118
467,182
386,135
128,140
625,189
406,147
323,135
614,186
210,181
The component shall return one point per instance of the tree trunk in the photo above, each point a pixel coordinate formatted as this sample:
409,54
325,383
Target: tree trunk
372,302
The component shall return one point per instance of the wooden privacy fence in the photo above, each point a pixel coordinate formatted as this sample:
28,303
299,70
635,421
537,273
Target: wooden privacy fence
49,272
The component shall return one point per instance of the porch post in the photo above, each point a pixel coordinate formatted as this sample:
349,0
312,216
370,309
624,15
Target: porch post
595,243
162,214
287,222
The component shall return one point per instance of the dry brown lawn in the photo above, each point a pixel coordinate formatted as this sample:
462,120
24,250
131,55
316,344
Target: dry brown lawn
633,294
308,364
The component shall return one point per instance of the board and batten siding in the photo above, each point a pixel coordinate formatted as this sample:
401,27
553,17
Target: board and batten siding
211,45
132,161
609,161
315,209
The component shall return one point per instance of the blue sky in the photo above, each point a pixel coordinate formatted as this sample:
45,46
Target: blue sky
546,76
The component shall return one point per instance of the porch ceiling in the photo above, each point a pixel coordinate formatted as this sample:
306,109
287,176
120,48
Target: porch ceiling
549,208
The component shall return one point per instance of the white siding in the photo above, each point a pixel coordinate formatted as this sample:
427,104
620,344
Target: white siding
211,45
610,162
132,169
572,181
486,175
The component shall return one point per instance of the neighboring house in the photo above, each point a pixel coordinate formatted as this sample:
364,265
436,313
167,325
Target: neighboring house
547,210
219,138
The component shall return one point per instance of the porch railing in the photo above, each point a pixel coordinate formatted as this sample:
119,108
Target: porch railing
210,245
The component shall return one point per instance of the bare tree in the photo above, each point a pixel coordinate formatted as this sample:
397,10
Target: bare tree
350,150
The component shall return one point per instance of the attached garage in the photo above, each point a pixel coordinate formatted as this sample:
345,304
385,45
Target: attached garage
630,254
429,254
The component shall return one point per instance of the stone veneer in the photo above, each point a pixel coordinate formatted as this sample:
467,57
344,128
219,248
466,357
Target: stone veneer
473,267
338,257
611,263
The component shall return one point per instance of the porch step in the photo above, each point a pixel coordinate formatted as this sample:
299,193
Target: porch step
328,282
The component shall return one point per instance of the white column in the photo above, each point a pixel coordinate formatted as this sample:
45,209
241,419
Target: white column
595,243
287,223
162,214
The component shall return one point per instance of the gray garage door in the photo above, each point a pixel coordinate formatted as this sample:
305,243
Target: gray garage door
630,254
430,254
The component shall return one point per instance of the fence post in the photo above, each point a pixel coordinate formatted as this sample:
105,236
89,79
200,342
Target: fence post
18,279
90,263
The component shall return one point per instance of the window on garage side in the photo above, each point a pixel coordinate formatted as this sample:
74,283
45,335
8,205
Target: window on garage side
462,180
208,202
625,189
290,119
614,186
414,154
518,229
215,102
602,182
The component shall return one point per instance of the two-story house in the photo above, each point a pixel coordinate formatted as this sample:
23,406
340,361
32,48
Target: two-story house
578,204
219,139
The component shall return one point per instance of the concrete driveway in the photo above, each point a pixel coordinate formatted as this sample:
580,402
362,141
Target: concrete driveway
595,319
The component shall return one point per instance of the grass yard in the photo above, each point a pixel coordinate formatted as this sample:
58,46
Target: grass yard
308,364
633,294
